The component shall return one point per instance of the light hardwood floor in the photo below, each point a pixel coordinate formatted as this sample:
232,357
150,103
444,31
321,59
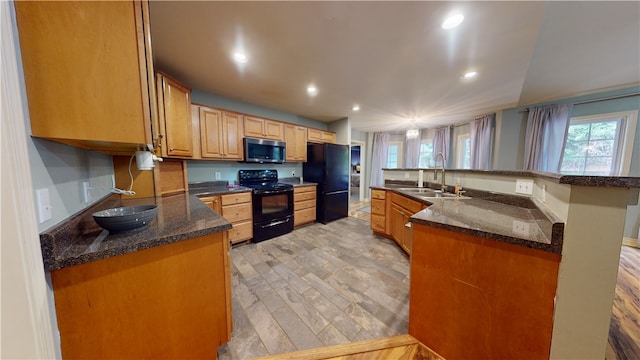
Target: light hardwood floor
624,332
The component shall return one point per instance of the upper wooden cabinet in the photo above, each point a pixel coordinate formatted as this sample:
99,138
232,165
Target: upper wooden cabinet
321,136
174,108
89,82
262,128
296,138
220,134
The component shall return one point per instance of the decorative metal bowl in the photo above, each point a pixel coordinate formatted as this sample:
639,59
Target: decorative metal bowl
127,218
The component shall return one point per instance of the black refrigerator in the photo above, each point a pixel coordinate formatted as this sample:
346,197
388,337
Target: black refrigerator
328,166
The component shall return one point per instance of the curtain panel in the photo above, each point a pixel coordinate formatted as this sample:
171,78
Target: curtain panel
379,158
441,144
546,136
482,129
412,151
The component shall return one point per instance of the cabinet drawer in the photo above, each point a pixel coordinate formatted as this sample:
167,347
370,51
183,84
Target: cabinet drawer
241,231
229,199
377,206
304,216
378,223
304,196
299,205
238,212
411,205
304,189
378,194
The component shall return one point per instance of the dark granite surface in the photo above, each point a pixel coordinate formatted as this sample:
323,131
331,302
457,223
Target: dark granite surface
602,181
211,188
80,240
295,181
512,219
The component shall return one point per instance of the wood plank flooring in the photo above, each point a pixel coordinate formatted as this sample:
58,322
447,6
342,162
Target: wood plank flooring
319,285
624,332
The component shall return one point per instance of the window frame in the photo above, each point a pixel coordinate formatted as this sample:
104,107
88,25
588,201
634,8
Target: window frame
430,161
623,142
399,157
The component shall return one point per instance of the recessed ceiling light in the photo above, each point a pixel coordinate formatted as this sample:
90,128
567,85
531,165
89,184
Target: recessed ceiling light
240,57
470,74
452,21
355,107
312,90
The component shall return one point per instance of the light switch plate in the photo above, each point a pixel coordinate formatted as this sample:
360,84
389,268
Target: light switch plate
44,205
521,228
218,175
524,187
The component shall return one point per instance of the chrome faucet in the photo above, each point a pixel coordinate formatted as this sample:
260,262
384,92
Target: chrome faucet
435,171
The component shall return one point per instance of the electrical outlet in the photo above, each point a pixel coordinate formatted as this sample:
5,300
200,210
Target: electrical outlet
521,228
524,187
293,173
44,205
218,175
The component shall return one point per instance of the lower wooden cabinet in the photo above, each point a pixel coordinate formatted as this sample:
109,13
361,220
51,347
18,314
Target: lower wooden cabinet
304,205
402,208
169,301
237,209
379,211
473,298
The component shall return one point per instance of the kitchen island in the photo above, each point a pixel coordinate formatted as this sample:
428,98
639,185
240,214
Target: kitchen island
159,292
525,287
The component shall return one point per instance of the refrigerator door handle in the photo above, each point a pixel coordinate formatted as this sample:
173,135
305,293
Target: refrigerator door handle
336,192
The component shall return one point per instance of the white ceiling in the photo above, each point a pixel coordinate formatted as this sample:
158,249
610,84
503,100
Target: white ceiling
393,58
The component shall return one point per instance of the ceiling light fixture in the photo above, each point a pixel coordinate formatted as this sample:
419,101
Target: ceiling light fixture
452,21
312,90
355,107
470,74
240,57
412,133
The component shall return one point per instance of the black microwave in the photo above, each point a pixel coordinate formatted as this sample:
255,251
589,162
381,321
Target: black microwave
264,151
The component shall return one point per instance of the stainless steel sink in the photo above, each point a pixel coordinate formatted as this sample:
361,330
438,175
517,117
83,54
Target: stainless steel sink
427,193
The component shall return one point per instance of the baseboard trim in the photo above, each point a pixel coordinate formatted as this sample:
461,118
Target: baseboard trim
630,242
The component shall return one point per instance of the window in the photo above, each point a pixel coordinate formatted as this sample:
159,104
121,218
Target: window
464,151
599,144
425,160
394,152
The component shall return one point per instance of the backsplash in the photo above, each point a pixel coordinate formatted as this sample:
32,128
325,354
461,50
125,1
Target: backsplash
198,171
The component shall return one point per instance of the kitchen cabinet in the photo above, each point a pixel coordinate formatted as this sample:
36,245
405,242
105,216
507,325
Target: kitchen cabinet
89,72
169,301
237,209
474,297
174,113
402,208
213,202
304,204
379,204
321,136
263,128
221,134
296,139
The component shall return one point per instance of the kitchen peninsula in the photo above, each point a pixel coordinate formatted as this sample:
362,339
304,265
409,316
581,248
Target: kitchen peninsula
162,291
473,270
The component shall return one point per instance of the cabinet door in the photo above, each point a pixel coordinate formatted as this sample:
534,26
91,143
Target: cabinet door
213,202
210,133
253,127
296,140
397,223
86,72
232,136
273,130
175,105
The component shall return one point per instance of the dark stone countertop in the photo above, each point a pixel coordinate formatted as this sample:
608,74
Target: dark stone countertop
295,181
212,188
512,219
598,181
80,240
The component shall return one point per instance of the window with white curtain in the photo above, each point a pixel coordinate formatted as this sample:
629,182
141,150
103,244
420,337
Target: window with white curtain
599,144
394,154
426,154
463,151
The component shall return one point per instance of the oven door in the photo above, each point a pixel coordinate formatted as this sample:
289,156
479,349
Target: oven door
270,205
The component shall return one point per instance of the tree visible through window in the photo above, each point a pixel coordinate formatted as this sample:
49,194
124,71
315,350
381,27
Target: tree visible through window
426,155
464,151
592,147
